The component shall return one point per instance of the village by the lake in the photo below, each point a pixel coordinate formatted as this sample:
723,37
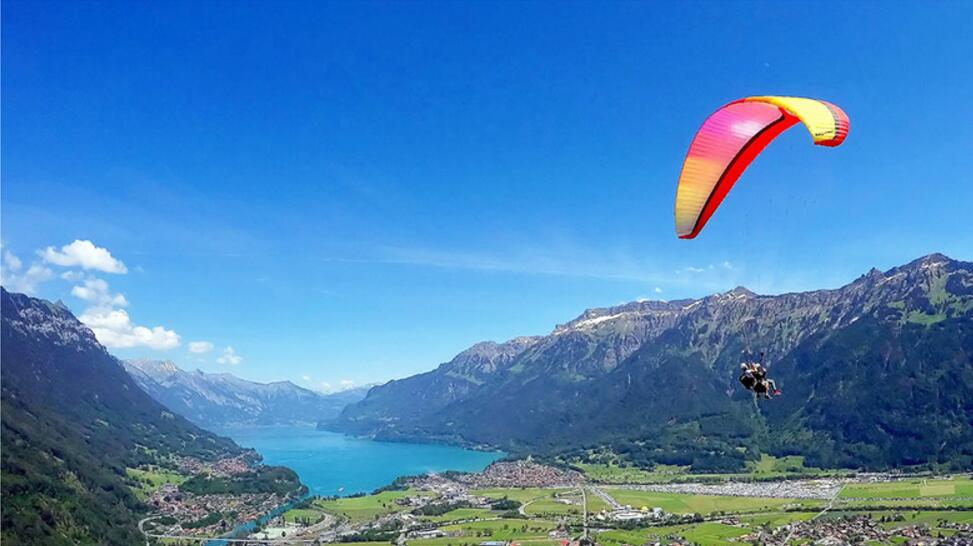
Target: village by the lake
525,502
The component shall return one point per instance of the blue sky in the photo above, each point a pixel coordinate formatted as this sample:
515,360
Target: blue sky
357,191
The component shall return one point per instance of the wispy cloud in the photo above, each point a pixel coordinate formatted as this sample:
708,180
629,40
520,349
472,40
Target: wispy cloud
14,277
570,262
200,347
558,260
327,387
229,357
697,270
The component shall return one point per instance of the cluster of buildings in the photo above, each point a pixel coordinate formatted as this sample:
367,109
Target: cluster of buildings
447,494
438,534
523,473
277,532
455,487
789,489
226,467
188,509
862,529
627,513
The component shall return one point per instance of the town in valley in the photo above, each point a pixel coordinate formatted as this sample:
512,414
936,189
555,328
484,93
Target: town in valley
530,503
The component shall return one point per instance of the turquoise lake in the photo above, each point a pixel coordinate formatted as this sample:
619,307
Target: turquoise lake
334,464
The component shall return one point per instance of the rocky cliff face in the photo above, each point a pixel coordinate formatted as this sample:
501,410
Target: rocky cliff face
627,371
73,421
221,400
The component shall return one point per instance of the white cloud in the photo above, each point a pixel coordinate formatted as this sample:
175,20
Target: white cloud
230,357
329,388
200,347
95,291
657,290
85,254
105,315
16,280
11,261
72,276
111,323
711,267
114,329
306,378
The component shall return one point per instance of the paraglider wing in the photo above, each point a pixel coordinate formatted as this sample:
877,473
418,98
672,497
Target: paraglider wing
731,138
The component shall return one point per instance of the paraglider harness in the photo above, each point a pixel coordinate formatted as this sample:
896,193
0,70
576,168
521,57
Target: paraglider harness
746,377
753,377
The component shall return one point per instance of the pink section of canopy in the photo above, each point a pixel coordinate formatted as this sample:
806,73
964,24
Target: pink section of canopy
717,143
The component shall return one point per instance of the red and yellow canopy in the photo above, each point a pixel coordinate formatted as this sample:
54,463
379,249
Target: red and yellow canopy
732,137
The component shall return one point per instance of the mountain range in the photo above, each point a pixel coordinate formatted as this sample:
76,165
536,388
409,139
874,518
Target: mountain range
876,373
218,400
73,421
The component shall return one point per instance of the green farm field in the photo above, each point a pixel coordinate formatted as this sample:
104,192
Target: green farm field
677,503
911,489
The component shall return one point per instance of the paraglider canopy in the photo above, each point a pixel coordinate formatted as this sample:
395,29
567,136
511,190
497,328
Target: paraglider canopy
732,137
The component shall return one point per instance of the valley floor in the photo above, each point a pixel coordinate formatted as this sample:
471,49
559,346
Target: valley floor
531,504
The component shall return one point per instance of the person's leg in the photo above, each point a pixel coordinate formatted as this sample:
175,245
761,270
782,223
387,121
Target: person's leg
760,389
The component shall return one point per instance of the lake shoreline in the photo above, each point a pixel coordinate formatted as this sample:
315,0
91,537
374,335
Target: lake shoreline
412,439
262,439
332,463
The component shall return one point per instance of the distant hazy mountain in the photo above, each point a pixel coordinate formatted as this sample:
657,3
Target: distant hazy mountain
73,420
876,373
222,399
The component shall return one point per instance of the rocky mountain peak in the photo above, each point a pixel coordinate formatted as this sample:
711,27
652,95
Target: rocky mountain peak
157,369
486,357
741,291
220,399
936,257
935,260
43,320
612,373
603,351
491,349
635,311
72,419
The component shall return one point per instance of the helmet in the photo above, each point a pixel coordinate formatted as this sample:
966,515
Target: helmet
743,366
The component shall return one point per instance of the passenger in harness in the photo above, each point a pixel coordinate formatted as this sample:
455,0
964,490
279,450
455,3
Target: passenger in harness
746,376
753,377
